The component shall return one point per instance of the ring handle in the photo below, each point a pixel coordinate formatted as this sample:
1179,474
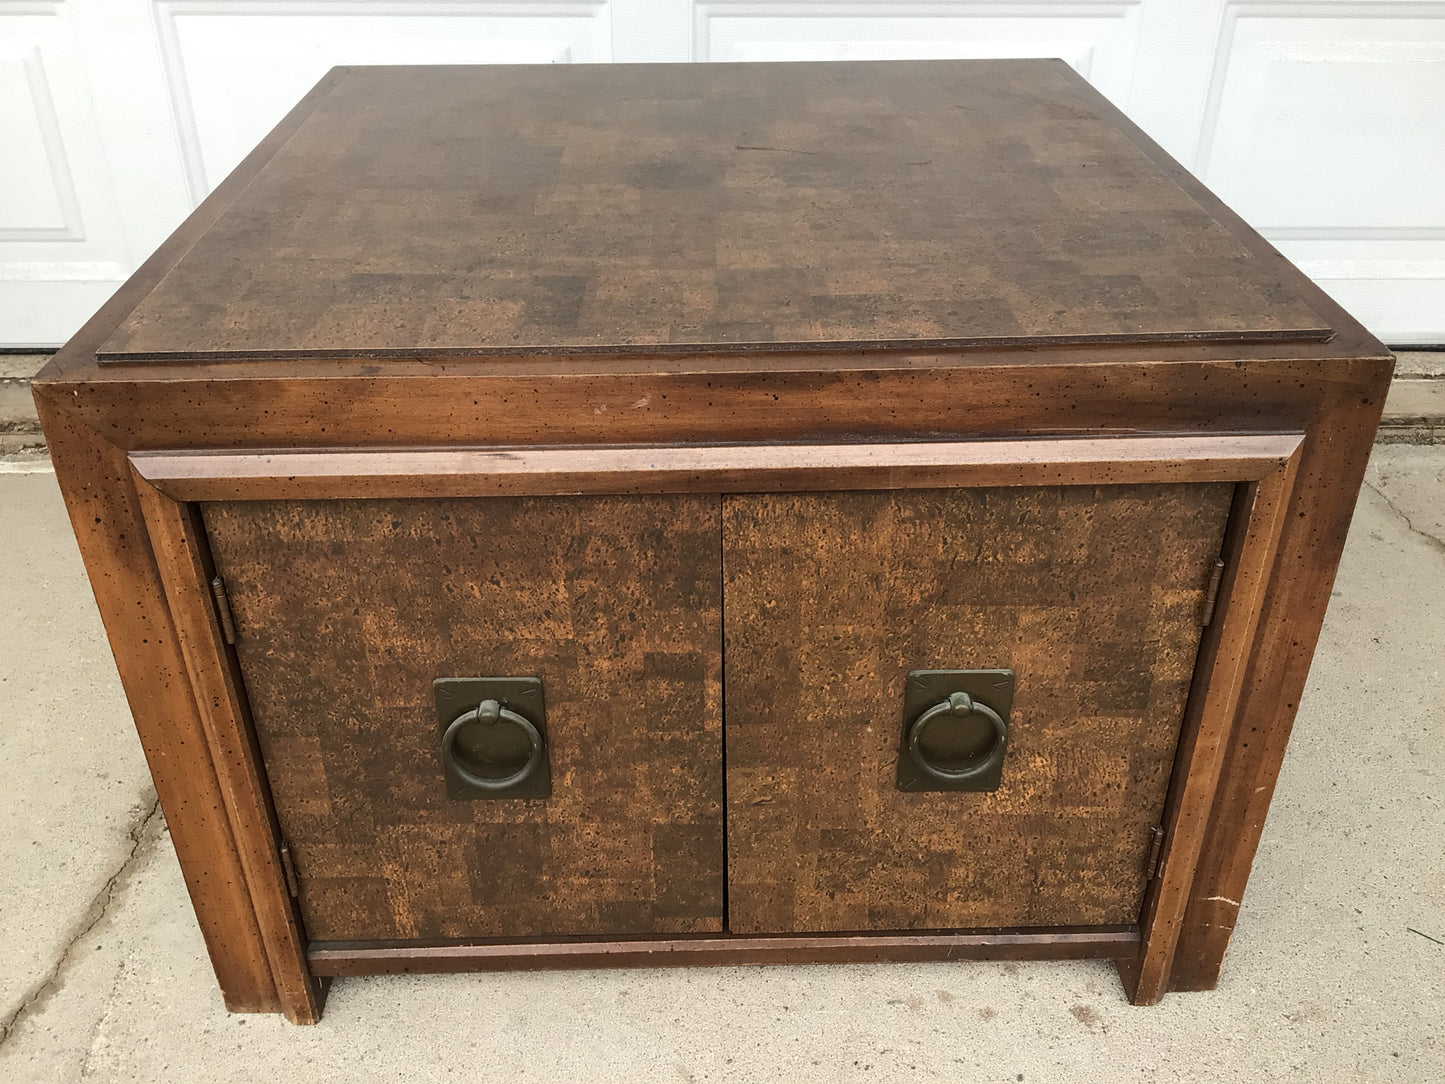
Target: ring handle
960,706
492,713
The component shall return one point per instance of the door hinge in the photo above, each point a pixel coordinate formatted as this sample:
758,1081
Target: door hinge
1156,848
1211,593
288,867
223,609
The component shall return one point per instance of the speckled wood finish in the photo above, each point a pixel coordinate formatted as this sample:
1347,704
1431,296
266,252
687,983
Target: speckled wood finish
349,609
1092,596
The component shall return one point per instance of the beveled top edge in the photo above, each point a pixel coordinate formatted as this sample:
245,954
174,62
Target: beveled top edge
683,350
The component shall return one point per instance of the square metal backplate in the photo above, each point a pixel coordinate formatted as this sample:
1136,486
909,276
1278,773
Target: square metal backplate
928,687
456,696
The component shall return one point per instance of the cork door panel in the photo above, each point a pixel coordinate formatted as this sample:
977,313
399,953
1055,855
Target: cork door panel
348,610
1092,595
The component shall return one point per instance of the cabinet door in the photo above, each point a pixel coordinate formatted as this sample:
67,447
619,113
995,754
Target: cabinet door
1091,595
347,610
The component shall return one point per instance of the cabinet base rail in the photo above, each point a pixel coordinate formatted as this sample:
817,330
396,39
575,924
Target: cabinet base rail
412,957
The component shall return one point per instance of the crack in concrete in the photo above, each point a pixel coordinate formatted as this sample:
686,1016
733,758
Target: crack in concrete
142,834
1437,543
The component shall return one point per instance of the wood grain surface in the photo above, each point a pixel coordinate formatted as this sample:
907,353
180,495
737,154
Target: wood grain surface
1251,543
493,210
1092,595
348,610
184,562
109,522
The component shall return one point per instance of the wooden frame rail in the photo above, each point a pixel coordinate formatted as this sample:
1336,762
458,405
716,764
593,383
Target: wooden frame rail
401,957
319,474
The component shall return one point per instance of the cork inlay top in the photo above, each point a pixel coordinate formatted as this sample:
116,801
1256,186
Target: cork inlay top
505,209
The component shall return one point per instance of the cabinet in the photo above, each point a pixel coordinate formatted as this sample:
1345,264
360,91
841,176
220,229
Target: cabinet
735,409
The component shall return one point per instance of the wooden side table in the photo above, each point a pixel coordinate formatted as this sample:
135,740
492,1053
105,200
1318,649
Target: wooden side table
639,515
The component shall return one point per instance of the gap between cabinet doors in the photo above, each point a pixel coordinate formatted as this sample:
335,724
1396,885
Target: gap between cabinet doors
169,483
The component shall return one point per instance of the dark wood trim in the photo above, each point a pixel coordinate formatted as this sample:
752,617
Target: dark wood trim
419,411
183,559
538,366
682,350
1249,550
457,472
109,524
401,957
1327,484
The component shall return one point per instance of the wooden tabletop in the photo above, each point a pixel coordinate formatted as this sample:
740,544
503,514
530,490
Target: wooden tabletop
425,211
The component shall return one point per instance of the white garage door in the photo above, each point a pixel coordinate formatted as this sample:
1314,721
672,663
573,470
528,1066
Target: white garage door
1321,121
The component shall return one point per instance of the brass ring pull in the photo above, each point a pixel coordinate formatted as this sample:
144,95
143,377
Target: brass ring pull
966,760
490,713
